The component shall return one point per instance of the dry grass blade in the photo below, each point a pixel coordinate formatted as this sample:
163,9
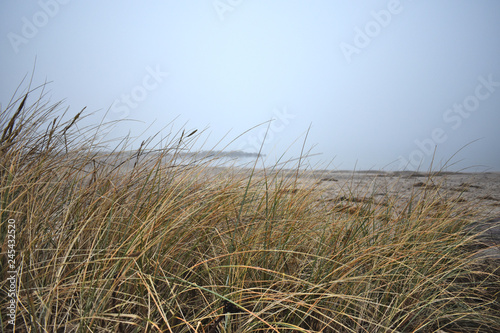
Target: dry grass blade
133,241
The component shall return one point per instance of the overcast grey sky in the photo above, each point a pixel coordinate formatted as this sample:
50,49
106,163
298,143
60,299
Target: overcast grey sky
381,83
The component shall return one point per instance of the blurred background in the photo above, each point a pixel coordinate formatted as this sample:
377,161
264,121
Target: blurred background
374,85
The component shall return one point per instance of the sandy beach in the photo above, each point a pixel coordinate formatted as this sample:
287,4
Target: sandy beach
352,189
479,190
482,189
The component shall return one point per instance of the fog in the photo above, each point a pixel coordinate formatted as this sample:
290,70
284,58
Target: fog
376,85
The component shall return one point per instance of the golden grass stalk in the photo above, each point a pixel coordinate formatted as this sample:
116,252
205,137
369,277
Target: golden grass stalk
132,242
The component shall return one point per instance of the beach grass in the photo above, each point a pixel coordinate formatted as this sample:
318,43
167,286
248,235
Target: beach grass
134,241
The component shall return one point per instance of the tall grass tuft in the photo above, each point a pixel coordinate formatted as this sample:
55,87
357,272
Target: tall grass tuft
134,241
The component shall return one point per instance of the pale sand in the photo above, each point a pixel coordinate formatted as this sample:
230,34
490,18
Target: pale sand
481,190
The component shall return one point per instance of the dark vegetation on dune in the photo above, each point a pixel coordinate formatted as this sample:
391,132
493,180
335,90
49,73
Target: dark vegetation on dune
124,242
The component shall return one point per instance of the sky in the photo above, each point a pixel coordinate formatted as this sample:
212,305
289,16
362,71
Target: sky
379,85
